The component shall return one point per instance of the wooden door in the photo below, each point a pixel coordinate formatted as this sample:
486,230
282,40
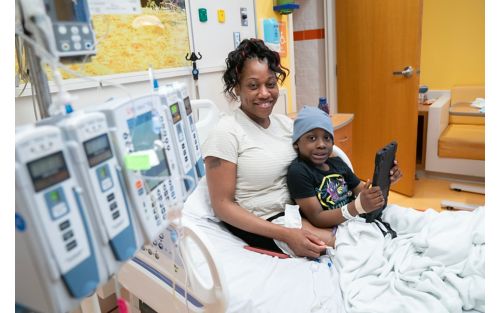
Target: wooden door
374,39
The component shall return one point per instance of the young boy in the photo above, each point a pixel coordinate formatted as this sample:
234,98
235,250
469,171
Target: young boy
324,187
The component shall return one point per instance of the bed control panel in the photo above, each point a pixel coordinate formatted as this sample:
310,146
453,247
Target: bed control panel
163,253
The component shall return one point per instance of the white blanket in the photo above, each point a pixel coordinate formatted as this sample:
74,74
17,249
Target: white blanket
436,264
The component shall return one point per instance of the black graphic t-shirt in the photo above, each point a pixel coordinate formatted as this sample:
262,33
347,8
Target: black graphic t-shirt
333,188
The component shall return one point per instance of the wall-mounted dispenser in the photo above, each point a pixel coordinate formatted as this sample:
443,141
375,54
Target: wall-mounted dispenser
271,33
285,6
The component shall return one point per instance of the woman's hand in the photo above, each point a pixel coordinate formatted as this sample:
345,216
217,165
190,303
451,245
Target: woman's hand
395,173
304,243
371,197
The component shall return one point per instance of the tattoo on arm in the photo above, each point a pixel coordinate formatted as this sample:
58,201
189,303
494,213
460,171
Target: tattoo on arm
214,163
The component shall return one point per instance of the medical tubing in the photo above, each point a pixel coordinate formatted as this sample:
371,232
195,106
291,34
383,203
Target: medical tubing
173,280
180,235
176,246
33,100
99,81
34,54
51,60
97,41
22,91
22,67
57,107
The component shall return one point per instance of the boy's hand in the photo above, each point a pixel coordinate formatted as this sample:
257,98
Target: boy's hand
371,197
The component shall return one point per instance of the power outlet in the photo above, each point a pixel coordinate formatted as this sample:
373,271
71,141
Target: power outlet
236,39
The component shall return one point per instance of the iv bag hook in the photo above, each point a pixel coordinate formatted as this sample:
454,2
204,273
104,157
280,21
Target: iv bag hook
193,58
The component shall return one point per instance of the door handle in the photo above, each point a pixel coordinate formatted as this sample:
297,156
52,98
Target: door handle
406,72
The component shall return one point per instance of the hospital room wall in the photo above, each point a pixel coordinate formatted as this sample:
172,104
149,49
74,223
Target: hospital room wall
453,43
309,47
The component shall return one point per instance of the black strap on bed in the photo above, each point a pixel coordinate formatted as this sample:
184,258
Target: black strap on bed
387,226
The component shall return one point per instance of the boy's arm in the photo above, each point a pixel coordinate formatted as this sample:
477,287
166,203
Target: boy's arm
360,187
311,207
318,217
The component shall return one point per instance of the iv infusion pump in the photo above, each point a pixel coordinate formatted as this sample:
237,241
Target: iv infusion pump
138,127
190,126
63,27
79,216
87,140
72,28
54,241
172,109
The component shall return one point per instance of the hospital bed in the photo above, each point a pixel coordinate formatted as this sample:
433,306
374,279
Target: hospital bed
425,269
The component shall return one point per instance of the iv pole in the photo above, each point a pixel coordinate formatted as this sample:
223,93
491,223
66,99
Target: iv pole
195,72
37,77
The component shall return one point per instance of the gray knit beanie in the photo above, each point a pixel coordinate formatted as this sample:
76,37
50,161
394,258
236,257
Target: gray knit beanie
310,118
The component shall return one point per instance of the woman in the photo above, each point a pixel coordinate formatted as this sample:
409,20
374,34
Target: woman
247,155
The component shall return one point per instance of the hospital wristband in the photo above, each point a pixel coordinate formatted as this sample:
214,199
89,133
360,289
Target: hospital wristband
358,206
345,213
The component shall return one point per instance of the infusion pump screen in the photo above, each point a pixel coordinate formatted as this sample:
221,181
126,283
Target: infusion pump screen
65,10
174,110
187,104
98,150
143,138
48,171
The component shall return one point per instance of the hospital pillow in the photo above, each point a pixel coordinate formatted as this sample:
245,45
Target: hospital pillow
198,204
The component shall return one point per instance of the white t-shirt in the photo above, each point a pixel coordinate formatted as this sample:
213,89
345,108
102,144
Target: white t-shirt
262,156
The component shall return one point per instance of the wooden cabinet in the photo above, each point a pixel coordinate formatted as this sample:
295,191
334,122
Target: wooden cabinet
342,131
423,112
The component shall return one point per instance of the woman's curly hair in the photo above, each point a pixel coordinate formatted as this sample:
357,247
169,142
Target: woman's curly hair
250,49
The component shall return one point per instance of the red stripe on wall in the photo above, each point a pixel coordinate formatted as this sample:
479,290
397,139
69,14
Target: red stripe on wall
309,34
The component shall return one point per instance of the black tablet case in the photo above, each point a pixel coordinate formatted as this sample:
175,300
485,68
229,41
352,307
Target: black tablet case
384,161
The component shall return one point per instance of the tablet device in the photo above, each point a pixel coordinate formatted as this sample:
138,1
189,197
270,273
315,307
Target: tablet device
384,161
